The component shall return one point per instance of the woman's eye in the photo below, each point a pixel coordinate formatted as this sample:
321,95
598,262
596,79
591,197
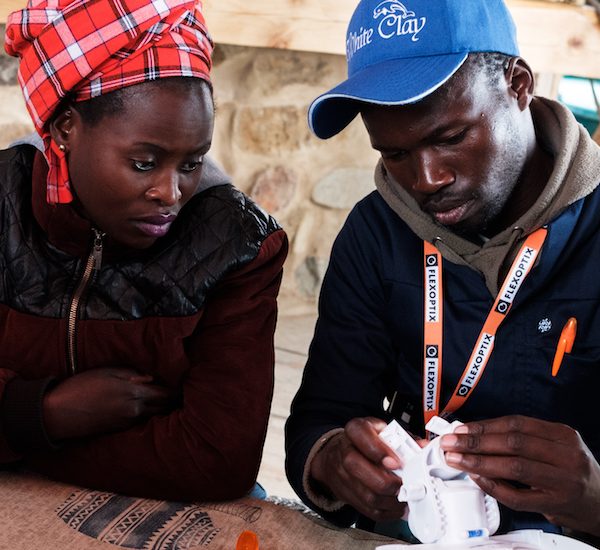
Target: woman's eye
143,165
394,155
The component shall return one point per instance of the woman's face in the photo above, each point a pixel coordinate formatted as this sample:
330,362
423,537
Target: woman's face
132,172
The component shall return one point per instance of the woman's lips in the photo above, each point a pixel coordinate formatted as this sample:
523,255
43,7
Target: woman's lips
155,226
452,215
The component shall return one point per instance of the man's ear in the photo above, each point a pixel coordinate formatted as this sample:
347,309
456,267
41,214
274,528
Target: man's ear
61,127
521,81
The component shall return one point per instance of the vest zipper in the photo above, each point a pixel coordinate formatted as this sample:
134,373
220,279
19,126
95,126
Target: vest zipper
93,264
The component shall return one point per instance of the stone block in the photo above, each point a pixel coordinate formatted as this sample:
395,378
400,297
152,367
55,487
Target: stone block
8,70
8,65
268,130
343,188
14,118
304,231
275,69
273,189
13,131
309,276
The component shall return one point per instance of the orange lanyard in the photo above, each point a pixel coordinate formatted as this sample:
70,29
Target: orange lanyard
433,325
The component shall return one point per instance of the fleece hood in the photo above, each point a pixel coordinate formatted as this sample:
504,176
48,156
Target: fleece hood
575,175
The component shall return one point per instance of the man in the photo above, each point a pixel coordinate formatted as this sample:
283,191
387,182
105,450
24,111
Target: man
448,288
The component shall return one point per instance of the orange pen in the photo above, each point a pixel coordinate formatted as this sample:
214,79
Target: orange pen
565,344
247,541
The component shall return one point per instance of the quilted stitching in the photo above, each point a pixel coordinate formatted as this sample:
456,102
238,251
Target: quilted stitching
219,231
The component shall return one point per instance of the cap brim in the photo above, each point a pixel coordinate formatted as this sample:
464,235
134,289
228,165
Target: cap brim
392,82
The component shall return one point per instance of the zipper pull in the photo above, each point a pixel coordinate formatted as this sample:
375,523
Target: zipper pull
97,248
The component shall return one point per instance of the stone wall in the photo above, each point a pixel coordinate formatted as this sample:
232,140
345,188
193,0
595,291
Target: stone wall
263,141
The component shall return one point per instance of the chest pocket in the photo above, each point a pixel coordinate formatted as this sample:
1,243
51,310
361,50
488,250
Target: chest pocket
570,397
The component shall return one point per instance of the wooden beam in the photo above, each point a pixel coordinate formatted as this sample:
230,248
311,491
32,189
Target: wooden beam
6,6
558,38
554,37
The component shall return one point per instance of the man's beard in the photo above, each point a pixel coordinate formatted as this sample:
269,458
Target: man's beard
496,196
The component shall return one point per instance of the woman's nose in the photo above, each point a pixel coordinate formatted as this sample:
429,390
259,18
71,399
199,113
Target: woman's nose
165,189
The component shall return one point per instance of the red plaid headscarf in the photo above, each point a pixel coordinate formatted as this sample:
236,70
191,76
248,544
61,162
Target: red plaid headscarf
87,48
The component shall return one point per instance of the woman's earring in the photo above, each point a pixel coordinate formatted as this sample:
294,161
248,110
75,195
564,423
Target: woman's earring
62,147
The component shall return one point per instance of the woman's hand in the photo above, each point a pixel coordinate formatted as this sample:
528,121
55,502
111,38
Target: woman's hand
355,466
103,400
557,474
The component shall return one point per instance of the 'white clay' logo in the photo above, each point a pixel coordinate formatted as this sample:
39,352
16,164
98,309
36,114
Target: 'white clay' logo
395,19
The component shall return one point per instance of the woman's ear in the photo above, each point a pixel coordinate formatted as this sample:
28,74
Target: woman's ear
61,127
521,81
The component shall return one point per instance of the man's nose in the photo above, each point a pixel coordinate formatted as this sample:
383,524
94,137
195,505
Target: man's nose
430,173
165,189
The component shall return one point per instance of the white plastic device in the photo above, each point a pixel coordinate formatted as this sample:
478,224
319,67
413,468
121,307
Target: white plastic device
446,509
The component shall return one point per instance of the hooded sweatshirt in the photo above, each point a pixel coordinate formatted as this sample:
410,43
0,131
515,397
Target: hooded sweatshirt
576,174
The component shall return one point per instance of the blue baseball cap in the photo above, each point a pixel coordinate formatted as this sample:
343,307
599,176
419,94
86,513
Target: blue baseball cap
400,52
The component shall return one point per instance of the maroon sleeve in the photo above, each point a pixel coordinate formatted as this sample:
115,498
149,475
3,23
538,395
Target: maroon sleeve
22,427
210,448
7,454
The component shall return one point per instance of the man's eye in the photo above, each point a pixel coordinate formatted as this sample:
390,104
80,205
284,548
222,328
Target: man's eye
190,166
143,165
455,138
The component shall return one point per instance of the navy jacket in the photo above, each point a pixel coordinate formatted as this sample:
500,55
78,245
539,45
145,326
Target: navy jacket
369,337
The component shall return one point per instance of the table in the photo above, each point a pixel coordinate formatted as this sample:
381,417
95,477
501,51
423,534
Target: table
37,513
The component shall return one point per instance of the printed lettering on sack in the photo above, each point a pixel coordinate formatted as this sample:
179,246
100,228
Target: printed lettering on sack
393,19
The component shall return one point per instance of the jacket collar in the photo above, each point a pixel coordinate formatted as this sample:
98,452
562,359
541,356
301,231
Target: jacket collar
65,228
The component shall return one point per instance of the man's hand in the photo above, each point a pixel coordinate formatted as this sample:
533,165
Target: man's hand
557,474
102,400
355,466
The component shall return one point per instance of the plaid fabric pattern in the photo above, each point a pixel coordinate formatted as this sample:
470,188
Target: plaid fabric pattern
86,48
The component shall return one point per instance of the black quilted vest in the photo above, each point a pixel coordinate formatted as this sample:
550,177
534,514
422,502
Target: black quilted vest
217,232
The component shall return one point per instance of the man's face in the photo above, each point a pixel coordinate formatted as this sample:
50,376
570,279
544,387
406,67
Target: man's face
134,171
459,152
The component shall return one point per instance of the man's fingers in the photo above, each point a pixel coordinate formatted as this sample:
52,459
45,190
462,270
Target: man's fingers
549,431
513,468
377,424
375,506
509,444
363,433
373,477
355,477
560,452
520,499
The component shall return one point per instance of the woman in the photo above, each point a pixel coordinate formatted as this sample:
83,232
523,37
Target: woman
137,300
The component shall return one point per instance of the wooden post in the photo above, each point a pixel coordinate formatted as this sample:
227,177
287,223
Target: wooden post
546,85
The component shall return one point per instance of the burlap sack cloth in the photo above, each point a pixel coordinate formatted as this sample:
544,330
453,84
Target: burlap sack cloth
38,514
